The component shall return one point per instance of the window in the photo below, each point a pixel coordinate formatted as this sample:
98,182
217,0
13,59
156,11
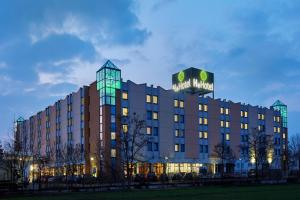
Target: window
155,115
155,131
125,128
227,136
203,135
278,130
246,114
242,113
227,124
242,126
149,115
246,126
222,123
176,147
125,111
175,103
181,104
278,119
149,146
222,110
203,121
176,133
112,118
283,136
227,111
149,130
181,117
176,118
125,95
200,107
275,129
113,153
205,108
182,147
113,135
155,99
148,98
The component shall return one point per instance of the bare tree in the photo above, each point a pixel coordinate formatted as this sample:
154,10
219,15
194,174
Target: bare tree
225,154
132,143
72,157
294,151
260,146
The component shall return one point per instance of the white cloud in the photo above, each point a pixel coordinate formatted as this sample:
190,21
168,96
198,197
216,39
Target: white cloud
50,78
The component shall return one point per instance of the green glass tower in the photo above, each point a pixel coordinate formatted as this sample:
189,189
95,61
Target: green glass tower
278,105
108,81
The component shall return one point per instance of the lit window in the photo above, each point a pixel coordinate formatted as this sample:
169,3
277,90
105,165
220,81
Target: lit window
175,118
200,120
125,95
246,114
274,119
125,111
222,110
283,135
200,107
262,116
246,126
149,130
200,134
176,133
242,126
155,115
113,135
125,128
227,136
113,153
222,123
242,113
275,129
205,108
278,130
148,98
175,103
205,121
205,135
227,124
181,104
176,147
155,99
227,111
278,119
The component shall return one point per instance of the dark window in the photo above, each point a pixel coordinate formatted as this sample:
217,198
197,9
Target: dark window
155,131
149,115
182,147
149,146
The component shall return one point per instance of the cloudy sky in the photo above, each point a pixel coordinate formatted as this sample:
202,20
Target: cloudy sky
51,48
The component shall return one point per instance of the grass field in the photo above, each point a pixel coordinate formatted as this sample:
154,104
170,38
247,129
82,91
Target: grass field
280,192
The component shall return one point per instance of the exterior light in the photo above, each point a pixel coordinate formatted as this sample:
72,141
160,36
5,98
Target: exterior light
92,158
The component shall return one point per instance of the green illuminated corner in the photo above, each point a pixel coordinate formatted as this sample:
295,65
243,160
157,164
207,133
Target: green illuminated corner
203,75
180,76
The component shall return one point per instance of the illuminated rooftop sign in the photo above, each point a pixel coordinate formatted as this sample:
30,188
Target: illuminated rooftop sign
194,81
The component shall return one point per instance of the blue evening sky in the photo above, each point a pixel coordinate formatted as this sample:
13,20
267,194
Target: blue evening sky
51,48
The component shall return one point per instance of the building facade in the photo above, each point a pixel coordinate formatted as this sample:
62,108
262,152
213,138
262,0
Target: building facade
183,129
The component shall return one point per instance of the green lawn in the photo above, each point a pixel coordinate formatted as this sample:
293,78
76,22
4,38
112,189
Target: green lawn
280,192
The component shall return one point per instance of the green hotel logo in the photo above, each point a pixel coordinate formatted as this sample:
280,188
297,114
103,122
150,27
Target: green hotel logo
203,75
180,76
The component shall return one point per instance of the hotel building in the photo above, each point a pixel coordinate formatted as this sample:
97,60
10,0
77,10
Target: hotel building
183,128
